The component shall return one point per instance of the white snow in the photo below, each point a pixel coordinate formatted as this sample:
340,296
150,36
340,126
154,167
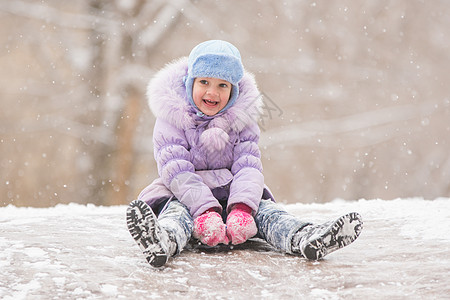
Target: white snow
85,251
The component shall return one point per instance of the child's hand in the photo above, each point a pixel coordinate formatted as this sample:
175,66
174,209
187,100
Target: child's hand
240,224
210,229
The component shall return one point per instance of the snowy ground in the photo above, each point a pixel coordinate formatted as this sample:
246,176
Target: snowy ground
75,251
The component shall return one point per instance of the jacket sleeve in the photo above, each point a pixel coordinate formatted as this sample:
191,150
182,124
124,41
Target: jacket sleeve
175,168
248,183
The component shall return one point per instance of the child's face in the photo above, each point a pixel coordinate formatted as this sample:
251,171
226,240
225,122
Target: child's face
211,94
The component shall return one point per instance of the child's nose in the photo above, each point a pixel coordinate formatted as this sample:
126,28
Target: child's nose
212,91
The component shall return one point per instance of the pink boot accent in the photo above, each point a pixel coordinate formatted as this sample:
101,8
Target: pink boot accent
240,224
210,229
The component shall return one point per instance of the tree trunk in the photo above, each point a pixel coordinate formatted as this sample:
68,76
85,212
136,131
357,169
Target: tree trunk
122,164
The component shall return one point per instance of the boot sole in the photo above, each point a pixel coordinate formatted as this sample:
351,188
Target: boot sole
141,223
339,234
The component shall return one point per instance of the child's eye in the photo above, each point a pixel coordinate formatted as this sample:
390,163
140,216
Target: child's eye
203,81
223,85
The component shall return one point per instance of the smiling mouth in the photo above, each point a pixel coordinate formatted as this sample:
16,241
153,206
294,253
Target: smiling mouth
210,102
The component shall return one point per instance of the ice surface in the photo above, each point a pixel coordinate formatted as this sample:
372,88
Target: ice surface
76,251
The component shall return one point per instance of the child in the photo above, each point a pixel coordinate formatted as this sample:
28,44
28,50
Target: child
211,185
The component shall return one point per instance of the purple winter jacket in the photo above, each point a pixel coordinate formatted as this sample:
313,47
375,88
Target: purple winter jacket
202,158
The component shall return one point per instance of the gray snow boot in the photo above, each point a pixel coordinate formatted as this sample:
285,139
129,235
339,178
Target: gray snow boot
153,240
316,241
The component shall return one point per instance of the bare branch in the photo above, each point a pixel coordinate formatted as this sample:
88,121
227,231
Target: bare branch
380,122
165,20
55,16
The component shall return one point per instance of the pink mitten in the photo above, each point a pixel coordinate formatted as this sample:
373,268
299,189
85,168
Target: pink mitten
240,224
210,229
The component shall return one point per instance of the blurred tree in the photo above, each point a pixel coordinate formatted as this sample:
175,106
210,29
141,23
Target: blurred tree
96,54
361,88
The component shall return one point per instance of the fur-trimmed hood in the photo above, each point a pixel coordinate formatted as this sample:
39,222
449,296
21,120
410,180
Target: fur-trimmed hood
167,99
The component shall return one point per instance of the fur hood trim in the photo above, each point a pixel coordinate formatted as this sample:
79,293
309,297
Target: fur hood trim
167,98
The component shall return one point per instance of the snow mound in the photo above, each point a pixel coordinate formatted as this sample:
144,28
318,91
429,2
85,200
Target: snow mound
85,251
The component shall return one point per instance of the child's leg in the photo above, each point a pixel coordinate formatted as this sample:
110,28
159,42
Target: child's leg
178,223
159,238
276,226
291,235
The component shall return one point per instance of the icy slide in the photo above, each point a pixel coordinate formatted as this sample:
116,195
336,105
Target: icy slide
78,251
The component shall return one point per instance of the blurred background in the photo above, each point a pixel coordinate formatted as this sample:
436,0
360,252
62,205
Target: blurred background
357,94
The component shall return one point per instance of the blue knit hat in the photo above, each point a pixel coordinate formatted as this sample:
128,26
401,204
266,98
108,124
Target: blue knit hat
215,59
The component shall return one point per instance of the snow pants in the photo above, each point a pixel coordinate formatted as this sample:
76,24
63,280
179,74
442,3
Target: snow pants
275,225
178,223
